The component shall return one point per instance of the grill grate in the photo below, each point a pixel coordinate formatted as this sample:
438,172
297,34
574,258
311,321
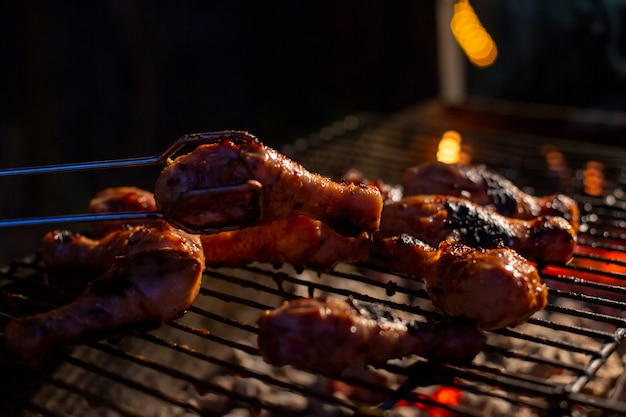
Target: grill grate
566,360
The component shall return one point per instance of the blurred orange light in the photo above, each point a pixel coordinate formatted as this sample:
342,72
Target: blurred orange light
593,178
449,148
472,36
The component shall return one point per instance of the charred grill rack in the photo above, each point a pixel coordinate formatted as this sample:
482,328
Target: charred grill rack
564,361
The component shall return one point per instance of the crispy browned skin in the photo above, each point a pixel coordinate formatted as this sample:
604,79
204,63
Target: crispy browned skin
433,218
297,240
494,288
119,199
327,335
64,249
287,188
487,188
153,277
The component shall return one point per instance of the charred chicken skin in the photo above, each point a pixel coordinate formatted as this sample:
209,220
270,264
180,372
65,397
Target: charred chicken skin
297,240
151,276
494,288
487,188
328,335
241,182
434,218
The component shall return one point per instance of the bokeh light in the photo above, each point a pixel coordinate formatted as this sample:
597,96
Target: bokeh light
472,36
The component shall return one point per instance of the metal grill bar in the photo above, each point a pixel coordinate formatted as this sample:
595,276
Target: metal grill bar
480,380
221,326
165,370
492,378
44,378
245,372
131,384
576,282
607,350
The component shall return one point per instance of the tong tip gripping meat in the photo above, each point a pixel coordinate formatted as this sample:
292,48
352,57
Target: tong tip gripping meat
210,210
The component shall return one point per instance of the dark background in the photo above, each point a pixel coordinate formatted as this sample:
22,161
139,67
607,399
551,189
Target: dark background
97,80
108,79
557,52
104,78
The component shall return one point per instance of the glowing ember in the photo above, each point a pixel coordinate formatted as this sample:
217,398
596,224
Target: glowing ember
603,260
591,264
442,395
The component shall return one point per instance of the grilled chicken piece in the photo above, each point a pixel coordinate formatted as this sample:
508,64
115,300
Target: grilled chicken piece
241,182
433,218
153,276
487,188
64,249
327,335
494,288
297,240
119,199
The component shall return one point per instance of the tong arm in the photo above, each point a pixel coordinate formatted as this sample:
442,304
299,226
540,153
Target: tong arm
74,218
213,201
193,138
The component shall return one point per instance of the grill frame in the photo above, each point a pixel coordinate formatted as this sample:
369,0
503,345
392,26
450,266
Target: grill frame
382,147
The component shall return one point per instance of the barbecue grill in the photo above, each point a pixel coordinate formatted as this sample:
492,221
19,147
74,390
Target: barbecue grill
564,361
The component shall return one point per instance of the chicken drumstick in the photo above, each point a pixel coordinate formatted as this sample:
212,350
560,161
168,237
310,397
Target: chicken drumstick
153,276
119,199
494,288
487,188
327,335
241,182
433,218
297,240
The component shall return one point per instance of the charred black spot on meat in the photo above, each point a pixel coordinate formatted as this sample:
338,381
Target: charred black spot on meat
504,198
436,218
476,227
486,188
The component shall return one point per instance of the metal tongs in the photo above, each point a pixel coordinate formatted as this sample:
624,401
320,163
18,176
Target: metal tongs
196,199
